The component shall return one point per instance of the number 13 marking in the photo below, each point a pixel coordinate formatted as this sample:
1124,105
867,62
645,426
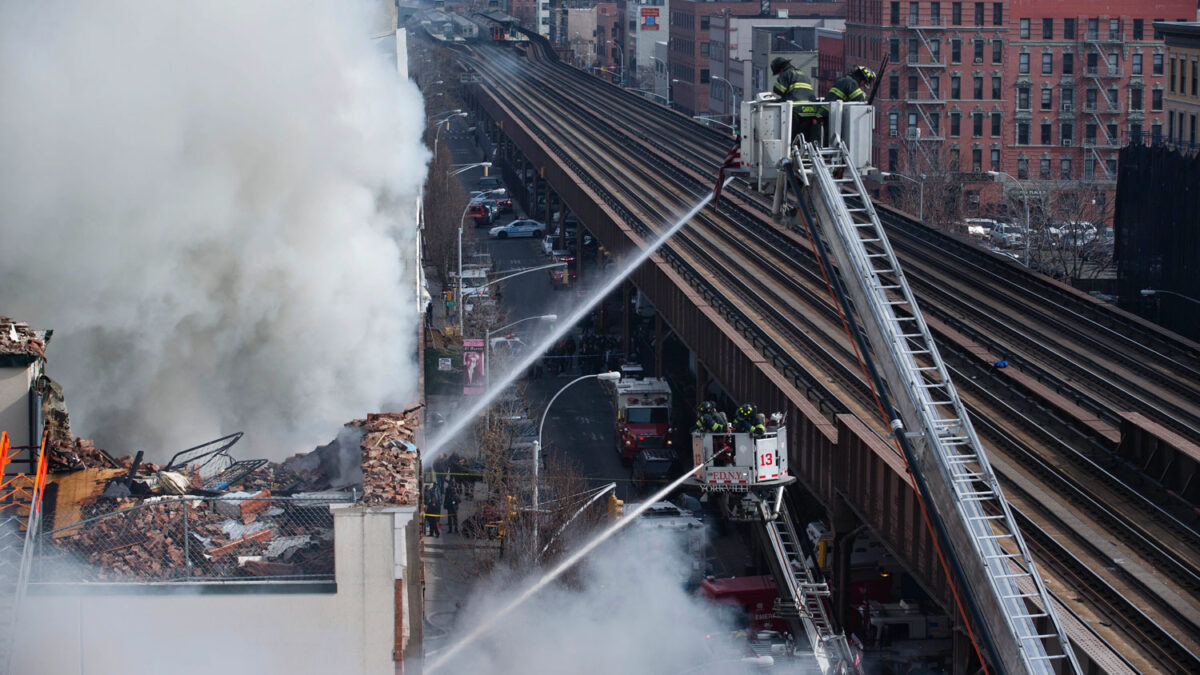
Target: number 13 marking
767,459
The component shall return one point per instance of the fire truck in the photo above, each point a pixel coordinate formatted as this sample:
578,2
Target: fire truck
643,413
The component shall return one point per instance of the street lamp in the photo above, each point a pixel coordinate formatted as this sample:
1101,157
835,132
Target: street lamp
459,168
1025,195
621,59
610,376
734,101
438,133
1156,291
921,184
487,345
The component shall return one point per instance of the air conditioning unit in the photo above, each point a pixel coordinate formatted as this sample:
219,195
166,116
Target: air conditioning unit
978,60
1067,107
1066,142
893,133
913,133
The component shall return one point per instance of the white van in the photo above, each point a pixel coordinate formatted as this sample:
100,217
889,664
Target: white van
1007,235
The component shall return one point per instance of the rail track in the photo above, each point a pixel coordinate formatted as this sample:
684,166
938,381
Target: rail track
755,274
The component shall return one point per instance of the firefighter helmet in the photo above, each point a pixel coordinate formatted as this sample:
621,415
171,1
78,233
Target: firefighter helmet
706,407
779,64
747,411
864,74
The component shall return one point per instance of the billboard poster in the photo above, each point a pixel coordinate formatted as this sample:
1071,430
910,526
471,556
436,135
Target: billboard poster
650,18
473,365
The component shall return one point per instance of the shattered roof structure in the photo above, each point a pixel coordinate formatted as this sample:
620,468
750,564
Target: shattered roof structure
20,345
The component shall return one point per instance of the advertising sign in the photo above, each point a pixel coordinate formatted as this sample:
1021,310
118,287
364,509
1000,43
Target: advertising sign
473,365
650,18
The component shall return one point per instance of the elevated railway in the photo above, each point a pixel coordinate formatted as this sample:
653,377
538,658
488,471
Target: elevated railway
1121,544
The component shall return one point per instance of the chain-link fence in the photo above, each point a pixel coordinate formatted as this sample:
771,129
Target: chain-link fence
195,538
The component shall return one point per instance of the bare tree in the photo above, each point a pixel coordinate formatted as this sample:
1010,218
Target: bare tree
1070,233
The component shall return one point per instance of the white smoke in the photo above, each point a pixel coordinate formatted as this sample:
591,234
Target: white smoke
628,612
210,204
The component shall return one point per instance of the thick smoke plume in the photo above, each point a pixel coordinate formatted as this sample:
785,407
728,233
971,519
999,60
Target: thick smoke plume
210,203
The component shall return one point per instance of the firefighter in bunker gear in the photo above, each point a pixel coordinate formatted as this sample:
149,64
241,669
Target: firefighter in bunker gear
749,420
709,420
790,85
850,87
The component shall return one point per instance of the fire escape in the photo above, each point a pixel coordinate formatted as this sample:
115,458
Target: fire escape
928,102
1102,71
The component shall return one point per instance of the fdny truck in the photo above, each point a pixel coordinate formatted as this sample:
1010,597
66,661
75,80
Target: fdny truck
643,413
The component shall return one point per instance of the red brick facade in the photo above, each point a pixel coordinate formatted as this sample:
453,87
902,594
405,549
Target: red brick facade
1045,91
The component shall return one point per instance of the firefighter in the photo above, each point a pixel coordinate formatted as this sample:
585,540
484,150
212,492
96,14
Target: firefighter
850,87
708,420
790,85
749,420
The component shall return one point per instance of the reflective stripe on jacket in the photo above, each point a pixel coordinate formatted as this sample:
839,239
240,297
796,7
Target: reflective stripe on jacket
846,89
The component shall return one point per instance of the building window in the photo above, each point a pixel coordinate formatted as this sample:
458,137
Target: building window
912,86
978,88
1022,98
1022,168
1195,68
1093,29
893,158
895,16
1135,99
1044,169
913,49
1068,29
996,94
1139,26
1047,29
956,13
704,76
956,51
1111,129
1156,100
1047,99
704,49
997,13
894,49
1090,99
1089,134
1112,101
977,124
1045,132
1048,63
995,125
1024,34
935,87
954,163
1067,133
979,14
977,160
893,124
1171,125
997,51
1192,128
1158,64
1135,132
1114,29
955,123
1068,63
995,159
912,119
1065,168
704,22
1068,98
956,87
935,51
894,86
1022,133
935,124
1092,60
914,14
1089,168
1023,64
979,51
935,13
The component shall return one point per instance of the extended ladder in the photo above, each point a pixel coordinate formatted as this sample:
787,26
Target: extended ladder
20,520
803,595
984,536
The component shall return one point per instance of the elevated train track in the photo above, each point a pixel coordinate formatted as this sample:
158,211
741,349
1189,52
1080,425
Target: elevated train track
1050,428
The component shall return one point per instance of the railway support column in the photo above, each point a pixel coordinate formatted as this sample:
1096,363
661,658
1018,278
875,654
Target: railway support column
846,528
659,334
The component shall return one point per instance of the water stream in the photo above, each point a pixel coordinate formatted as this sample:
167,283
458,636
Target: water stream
462,420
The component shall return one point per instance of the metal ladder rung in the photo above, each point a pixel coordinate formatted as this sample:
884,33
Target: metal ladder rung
1001,556
1018,575
979,496
1014,596
998,516
1045,657
1030,616
972,476
1006,535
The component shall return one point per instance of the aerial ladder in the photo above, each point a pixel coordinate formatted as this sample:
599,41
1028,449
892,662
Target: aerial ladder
22,484
749,474
990,566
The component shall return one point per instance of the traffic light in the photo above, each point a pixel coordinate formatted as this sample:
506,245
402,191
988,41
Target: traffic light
616,508
510,507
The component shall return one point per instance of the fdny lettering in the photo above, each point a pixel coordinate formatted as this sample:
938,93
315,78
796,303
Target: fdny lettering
725,476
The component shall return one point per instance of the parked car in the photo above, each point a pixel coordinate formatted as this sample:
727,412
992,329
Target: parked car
651,466
489,183
548,244
518,228
1007,235
480,213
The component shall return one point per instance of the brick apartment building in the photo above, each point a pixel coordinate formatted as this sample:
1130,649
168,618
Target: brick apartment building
1047,92
689,46
1183,81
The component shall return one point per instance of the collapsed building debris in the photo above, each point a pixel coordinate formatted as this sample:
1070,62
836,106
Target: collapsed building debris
209,515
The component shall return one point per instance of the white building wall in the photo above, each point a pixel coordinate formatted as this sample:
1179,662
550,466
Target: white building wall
281,627
15,383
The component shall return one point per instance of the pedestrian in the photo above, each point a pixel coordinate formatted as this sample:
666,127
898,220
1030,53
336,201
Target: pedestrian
430,519
451,509
790,85
849,87
449,308
441,467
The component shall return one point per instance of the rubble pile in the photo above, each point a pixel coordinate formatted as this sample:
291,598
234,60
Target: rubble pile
389,459
248,518
19,338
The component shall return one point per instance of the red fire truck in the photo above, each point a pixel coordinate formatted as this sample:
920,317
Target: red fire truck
643,408
754,595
